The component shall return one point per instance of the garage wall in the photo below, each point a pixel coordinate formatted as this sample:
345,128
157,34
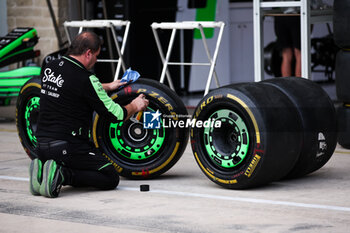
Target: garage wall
3,16
35,13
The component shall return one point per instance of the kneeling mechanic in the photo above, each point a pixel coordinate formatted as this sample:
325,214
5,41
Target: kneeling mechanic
70,94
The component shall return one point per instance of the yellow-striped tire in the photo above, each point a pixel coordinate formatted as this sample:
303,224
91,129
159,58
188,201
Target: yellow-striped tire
27,112
137,152
259,138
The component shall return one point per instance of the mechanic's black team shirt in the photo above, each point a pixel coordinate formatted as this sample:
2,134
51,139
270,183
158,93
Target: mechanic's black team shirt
69,95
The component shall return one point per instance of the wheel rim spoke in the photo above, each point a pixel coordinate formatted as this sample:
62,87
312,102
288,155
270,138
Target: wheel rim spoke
132,141
30,117
228,145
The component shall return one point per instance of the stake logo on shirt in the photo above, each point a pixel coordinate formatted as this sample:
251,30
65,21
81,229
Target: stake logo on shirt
49,76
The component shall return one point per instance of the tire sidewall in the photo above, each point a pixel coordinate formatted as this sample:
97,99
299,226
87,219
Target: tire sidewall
29,90
250,166
318,120
162,98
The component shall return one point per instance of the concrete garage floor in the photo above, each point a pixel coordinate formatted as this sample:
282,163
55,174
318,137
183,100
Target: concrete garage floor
182,200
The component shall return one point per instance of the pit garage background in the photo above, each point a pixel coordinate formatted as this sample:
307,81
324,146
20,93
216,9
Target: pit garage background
235,60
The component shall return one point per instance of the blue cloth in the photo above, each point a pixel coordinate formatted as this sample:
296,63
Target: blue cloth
130,76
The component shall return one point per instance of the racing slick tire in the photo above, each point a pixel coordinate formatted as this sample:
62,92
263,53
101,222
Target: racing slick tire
341,23
344,126
342,73
319,122
138,152
253,136
27,112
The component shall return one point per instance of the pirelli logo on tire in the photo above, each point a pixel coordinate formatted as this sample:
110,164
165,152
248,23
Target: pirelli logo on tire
252,165
205,103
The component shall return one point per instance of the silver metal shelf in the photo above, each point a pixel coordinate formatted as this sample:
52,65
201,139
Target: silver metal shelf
307,16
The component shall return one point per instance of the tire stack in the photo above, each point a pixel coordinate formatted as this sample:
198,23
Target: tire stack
271,130
341,24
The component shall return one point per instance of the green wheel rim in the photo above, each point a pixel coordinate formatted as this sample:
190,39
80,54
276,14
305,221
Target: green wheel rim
30,116
133,141
227,145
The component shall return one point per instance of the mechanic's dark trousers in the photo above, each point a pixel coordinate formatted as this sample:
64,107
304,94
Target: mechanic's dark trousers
82,164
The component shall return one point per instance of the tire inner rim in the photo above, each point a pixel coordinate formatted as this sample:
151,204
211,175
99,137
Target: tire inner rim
227,145
133,141
31,116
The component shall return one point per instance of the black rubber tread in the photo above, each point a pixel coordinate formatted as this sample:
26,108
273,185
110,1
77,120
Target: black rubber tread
341,23
342,74
274,134
318,117
160,97
272,59
29,90
343,115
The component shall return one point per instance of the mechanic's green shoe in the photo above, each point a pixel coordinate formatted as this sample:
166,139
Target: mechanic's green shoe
35,176
52,179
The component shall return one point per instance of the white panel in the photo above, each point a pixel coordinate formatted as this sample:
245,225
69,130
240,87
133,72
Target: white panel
199,74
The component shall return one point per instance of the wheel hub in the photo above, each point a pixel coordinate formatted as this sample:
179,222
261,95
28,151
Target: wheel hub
227,145
136,132
131,140
31,117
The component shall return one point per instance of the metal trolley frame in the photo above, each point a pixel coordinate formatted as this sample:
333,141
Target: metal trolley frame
307,17
188,25
111,24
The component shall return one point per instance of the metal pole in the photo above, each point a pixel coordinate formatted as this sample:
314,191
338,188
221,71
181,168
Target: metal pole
167,57
212,65
182,60
108,34
305,39
53,18
67,33
161,53
216,52
258,48
120,54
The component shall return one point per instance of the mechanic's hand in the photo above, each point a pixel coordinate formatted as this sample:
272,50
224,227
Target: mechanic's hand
138,104
113,85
